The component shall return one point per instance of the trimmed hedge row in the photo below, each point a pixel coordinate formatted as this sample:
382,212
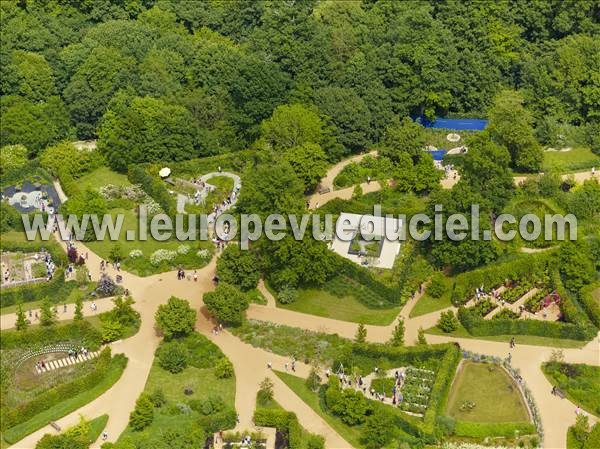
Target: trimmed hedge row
529,266
441,387
287,422
155,188
57,289
485,430
478,327
46,335
447,355
589,304
16,415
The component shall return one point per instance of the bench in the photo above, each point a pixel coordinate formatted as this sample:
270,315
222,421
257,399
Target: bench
324,190
54,426
558,392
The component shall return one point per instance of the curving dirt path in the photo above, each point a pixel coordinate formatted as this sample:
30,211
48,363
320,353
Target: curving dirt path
317,199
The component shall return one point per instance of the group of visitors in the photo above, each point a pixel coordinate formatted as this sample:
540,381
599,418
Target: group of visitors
180,274
217,328
104,265
74,353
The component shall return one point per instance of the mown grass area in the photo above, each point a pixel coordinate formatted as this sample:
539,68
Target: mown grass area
101,177
428,304
142,266
345,308
534,340
580,383
570,161
202,382
97,425
495,396
114,372
298,386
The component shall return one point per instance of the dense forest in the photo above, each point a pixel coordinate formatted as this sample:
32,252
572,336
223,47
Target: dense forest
173,80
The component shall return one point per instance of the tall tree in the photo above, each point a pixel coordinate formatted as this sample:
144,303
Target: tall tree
511,125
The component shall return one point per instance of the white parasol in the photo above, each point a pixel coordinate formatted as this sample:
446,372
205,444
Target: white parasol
164,172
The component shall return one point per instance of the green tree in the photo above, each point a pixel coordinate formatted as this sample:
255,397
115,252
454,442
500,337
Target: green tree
448,321
291,126
22,322
175,318
421,340
224,368
271,189
309,162
47,313
361,333
227,303
112,330
12,158
397,338
78,316
265,392
313,381
403,137
378,430
32,76
143,413
576,267
123,310
145,129
238,267
511,126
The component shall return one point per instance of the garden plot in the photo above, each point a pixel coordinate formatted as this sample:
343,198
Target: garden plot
407,388
18,267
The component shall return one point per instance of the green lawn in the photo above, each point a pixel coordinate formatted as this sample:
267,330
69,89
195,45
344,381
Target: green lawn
67,406
141,265
298,386
346,308
203,383
496,397
101,177
580,382
97,425
569,161
461,332
428,304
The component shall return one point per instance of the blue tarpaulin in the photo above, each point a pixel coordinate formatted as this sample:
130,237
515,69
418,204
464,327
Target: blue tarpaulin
455,124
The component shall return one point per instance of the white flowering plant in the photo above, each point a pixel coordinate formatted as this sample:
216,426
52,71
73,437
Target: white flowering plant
162,255
135,253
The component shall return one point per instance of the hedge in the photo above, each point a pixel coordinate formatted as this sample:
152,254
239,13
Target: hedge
391,295
478,327
57,290
287,422
590,305
13,416
441,387
529,266
154,187
485,430
46,335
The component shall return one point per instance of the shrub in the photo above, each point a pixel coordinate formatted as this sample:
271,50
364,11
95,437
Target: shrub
158,398
227,303
183,249
224,369
313,381
448,322
287,295
154,187
265,392
112,330
106,286
135,253
143,413
436,288
176,318
162,255
172,356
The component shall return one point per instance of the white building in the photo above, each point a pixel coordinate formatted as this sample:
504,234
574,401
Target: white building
363,239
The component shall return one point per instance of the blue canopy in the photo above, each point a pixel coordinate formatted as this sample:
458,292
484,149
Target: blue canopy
455,124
